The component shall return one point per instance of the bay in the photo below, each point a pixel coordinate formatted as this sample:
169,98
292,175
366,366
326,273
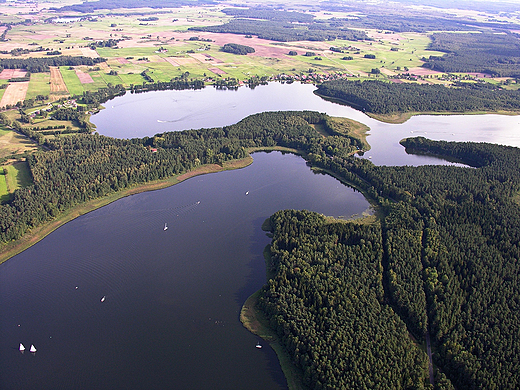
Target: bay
170,314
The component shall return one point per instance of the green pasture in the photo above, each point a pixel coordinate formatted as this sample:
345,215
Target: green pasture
4,192
12,177
99,81
131,78
71,80
135,52
39,85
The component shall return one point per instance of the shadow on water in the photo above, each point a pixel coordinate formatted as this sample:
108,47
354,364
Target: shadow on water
255,280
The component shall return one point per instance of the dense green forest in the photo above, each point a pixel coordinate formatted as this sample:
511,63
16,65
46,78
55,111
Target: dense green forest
495,54
37,65
326,303
380,97
269,14
449,248
235,48
343,297
284,31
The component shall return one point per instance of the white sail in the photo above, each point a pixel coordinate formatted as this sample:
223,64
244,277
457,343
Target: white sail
165,226
22,347
33,349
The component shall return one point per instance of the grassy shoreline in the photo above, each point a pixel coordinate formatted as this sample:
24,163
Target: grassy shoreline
32,237
255,322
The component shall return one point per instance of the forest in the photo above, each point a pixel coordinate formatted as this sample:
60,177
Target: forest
494,54
347,300
38,65
283,31
380,97
235,48
269,14
444,257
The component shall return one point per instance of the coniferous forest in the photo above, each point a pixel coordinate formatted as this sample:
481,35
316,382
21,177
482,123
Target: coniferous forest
380,97
349,302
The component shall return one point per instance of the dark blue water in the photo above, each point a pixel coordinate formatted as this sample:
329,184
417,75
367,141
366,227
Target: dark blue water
170,318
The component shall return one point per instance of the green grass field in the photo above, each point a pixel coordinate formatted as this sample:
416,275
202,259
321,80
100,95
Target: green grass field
39,85
71,80
18,176
4,193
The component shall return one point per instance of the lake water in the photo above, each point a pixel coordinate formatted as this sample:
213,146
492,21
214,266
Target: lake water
140,115
170,317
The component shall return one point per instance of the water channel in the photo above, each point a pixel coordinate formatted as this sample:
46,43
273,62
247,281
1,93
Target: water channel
113,301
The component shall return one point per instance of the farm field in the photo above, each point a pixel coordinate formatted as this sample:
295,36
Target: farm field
166,49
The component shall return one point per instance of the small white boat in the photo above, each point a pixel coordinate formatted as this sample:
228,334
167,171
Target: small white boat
103,299
165,226
22,347
247,192
33,349
258,345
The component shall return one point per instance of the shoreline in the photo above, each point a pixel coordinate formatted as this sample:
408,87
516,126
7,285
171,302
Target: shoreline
35,235
255,322
402,117
32,237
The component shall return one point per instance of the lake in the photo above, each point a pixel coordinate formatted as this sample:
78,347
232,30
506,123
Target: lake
140,115
170,313
170,317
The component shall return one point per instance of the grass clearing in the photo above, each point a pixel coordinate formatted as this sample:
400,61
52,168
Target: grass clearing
12,177
12,142
4,192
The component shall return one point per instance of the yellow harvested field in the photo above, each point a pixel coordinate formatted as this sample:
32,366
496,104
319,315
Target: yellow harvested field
172,61
199,57
184,61
155,58
14,93
104,66
388,72
57,84
88,52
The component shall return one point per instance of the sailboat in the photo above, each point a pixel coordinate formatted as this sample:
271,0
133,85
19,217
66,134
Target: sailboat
165,226
103,299
22,347
33,349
